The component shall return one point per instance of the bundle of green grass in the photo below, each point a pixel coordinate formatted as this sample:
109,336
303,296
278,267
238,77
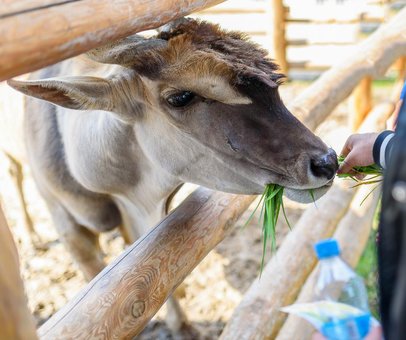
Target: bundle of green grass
272,202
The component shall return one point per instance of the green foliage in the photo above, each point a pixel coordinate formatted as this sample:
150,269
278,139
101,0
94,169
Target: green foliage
368,268
373,173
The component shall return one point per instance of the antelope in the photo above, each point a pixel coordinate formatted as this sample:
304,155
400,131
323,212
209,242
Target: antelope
109,144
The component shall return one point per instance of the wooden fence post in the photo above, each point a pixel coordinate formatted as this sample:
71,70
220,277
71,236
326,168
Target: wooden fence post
278,22
15,318
360,103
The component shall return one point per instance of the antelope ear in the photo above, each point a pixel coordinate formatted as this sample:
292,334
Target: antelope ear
79,93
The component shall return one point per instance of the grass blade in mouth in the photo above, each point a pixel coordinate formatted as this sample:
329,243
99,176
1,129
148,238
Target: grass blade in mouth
272,203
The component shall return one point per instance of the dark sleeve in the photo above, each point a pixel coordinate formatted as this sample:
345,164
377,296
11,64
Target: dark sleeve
382,148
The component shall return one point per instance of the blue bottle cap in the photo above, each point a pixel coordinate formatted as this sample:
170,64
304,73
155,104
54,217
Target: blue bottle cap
327,248
350,328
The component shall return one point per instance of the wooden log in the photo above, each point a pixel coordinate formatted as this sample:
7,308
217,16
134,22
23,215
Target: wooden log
15,318
278,14
41,33
119,302
360,103
258,315
12,7
352,234
372,58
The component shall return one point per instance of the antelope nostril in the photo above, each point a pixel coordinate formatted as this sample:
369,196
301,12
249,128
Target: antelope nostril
325,166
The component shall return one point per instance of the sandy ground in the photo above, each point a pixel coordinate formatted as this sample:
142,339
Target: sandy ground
210,293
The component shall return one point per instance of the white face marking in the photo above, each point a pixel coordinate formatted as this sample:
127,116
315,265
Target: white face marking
211,87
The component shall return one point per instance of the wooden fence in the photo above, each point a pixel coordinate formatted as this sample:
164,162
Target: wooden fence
128,292
305,38
38,33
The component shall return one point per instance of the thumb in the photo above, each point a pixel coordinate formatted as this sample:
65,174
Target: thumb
347,164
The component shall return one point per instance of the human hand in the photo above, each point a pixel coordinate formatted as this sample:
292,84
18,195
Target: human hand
357,151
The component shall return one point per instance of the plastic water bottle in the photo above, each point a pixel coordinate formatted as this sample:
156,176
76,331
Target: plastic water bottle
338,282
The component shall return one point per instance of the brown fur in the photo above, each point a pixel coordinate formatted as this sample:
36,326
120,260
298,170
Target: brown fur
208,49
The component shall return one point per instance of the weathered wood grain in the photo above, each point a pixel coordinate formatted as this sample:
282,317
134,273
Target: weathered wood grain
37,38
15,7
15,318
119,302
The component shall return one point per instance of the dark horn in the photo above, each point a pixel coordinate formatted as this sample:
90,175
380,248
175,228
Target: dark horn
172,25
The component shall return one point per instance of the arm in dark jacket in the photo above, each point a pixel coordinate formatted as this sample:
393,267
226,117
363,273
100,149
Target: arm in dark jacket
382,148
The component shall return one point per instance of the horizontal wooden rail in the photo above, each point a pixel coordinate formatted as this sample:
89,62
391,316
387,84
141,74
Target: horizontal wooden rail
119,302
372,58
34,34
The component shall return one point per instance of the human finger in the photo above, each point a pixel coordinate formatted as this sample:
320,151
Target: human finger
347,165
347,146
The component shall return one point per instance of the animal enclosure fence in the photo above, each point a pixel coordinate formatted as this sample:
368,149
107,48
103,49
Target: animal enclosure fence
305,38
128,292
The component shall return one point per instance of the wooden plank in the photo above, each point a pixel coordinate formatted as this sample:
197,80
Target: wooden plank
321,33
248,23
35,39
382,48
320,55
119,302
333,11
277,34
14,7
15,318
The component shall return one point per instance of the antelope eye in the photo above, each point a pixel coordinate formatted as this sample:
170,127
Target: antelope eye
180,99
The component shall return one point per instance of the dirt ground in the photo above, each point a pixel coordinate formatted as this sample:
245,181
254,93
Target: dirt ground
211,292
